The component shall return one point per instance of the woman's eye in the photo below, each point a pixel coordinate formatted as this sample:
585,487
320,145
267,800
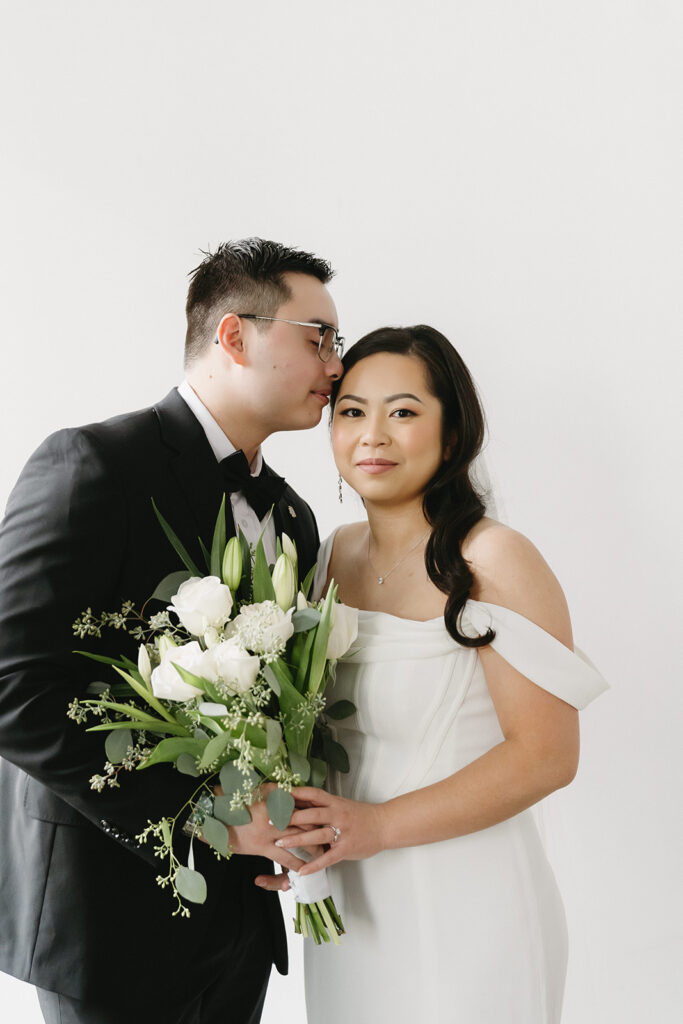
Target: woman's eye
402,413
351,412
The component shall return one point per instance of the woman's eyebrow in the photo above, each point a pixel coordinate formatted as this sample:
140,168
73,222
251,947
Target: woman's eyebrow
389,398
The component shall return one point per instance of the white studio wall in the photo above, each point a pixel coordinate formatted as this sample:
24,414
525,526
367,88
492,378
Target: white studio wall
509,173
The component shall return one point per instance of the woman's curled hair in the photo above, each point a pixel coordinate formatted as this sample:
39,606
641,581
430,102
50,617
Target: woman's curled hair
451,503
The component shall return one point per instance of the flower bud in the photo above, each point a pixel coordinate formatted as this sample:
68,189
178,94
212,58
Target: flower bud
284,582
232,564
301,602
165,644
144,664
289,549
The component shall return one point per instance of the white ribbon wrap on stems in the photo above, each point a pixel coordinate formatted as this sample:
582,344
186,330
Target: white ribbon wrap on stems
310,888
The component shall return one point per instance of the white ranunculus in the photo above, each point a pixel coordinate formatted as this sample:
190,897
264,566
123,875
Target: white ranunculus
232,665
263,628
201,603
166,680
344,630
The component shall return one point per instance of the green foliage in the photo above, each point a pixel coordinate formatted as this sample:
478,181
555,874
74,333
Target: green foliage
238,816
178,547
263,584
218,543
191,885
170,750
341,709
216,834
300,766
318,771
116,745
280,806
305,619
187,765
170,585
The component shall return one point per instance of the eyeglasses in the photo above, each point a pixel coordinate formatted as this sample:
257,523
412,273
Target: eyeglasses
329,341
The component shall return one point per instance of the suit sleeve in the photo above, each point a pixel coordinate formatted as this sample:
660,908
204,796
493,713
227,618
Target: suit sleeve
62,546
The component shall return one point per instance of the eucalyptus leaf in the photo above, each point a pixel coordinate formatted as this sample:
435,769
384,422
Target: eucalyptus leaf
216,834
97,687
214,748
256,736
318,771
342,709
232,779
273,736
305,619
190,884
187,765
116,745
300,765
221,810
280,806
170,585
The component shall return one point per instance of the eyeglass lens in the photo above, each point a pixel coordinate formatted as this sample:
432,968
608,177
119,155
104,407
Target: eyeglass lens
328,344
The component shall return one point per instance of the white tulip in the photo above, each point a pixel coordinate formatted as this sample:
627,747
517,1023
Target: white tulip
232,665
344,630
202,603
289,549
301,602
284,582
144,664
166,680
165,644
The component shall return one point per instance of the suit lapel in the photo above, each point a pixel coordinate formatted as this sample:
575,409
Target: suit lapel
193,466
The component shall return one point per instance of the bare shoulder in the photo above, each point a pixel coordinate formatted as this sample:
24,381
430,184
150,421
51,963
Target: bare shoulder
510,571
348,541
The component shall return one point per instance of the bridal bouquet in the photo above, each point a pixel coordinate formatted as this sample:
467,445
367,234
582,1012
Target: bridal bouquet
228,687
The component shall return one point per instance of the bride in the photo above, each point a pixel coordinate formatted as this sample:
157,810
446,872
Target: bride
466,687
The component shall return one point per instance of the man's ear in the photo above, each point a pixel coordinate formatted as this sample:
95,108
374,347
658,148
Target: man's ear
230,337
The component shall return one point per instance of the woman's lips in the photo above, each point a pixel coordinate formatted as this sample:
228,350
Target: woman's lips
375,466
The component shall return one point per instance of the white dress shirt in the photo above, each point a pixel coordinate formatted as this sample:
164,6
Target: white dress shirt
243,513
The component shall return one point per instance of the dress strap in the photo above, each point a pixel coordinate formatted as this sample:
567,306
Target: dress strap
567,674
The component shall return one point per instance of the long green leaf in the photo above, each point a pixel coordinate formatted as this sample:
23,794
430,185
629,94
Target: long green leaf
218,543
169,750
263,584
206,554
102,658
244,590
306,585
153,727
143,692
322,635
304,662
176,543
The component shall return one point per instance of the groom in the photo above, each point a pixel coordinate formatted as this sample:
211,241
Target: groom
81,917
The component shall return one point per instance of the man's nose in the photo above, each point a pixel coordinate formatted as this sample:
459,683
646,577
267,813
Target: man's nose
334,367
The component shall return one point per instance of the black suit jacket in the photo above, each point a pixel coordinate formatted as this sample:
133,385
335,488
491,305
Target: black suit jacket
79,907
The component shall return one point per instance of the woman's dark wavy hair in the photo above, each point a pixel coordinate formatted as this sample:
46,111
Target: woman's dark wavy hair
451,504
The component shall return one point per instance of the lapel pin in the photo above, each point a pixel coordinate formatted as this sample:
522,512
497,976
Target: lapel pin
291,511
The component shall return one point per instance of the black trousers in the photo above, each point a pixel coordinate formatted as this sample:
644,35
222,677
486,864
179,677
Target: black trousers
224,1002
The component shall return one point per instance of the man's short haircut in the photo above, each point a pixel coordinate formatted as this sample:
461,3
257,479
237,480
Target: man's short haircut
242,276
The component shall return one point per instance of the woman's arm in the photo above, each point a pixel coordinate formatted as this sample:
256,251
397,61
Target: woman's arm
538,755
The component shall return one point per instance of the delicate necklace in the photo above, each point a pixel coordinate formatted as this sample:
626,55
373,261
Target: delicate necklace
381,579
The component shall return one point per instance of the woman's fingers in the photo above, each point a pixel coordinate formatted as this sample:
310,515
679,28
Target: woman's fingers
312,816
316,837
316,797
324,861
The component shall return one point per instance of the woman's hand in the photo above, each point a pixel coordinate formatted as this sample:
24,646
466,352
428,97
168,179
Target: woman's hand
360,827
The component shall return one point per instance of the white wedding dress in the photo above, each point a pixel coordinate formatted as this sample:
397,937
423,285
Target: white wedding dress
466,931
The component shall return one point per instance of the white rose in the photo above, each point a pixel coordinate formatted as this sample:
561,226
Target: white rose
232,665
344,630
167,681
202,603
263,628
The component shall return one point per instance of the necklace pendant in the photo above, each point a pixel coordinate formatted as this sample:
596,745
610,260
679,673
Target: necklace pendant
380,579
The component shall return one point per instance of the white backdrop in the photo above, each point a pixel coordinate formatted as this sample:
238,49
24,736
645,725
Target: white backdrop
508,172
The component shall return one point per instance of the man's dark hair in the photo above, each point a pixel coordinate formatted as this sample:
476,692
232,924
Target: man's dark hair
242,276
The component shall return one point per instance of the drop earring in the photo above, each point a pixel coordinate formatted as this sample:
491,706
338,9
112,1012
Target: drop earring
339,491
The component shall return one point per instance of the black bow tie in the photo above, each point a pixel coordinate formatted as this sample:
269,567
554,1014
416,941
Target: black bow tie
261,491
